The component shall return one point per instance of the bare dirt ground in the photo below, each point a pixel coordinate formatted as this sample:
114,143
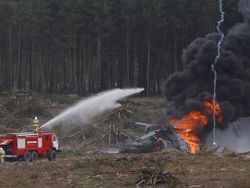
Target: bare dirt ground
77,167
122,170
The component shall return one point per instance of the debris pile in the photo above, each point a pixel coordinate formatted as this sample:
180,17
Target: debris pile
153,177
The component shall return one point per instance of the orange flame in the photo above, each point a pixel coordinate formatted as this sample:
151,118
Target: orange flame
211,108
189,126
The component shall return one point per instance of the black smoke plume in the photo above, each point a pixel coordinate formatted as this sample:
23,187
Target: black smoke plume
184,89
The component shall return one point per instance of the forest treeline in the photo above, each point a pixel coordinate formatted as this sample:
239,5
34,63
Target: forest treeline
86,46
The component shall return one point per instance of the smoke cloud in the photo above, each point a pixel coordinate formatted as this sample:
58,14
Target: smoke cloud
244,8
87,109
235,138
186,90
183,89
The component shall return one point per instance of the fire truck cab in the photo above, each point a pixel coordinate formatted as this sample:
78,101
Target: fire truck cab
30,146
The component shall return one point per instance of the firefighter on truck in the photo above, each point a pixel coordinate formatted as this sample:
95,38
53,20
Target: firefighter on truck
35,124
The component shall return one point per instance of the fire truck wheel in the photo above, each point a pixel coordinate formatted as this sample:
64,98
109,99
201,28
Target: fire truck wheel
34,156
52,155
27,156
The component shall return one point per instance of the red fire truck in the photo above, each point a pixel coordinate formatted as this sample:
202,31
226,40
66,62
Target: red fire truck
30,146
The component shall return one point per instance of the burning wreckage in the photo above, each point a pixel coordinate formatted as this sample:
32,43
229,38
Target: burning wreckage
156,139
186,132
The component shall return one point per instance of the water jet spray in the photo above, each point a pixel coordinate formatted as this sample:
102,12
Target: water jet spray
87,109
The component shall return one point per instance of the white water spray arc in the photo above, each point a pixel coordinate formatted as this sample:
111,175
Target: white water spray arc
87,109
219,46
